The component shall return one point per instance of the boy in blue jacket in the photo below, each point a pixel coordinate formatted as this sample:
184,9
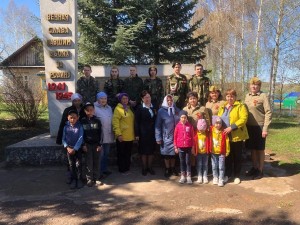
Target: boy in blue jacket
72,141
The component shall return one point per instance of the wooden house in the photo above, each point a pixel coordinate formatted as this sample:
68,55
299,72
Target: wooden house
27,63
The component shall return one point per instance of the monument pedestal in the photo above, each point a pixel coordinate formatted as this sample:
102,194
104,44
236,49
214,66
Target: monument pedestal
36,151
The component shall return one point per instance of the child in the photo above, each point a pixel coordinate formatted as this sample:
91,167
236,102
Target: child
202,150
183,144
219,149
72,140
92,143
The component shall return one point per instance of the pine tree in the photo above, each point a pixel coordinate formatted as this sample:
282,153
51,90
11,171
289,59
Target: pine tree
139,31
168,35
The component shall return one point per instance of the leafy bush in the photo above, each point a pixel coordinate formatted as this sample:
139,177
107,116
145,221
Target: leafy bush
23,100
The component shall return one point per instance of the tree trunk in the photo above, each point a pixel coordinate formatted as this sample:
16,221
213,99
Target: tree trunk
257,38
276,50
242,51
234,61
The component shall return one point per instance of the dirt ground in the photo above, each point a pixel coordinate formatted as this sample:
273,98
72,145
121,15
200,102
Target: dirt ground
40,196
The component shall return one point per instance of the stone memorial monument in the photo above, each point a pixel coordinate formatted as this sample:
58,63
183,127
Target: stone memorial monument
59,27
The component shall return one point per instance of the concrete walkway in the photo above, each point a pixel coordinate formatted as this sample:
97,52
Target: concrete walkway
40,196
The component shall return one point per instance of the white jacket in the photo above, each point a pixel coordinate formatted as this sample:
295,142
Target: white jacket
105,114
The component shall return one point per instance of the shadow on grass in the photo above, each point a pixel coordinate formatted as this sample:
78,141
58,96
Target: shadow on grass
290,168
11,132
282,125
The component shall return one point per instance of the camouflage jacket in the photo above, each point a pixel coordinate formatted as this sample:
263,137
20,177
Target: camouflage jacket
178,87
201,86
133,86
112,88
196,113
156,90
88,89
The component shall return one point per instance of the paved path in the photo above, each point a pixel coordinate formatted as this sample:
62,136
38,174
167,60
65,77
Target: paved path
40,196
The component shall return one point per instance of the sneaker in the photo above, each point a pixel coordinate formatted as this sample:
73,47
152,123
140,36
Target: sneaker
199,181
205,180
98,182
182,179
73,184
226,179
259,175
215,181
251,172
144,172
151,171
237,180
79,184
90,183
221,183
189,180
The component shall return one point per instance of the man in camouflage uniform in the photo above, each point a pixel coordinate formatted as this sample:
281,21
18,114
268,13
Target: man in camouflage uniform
133,86
154,86
87,86
113,86
177,85
200,84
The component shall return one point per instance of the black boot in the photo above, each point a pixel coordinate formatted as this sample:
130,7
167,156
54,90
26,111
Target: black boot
251,172
258,175
167,172
174,171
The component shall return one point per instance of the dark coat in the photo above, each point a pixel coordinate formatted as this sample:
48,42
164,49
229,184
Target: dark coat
144,127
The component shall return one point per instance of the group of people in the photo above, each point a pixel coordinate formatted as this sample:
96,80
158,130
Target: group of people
188,117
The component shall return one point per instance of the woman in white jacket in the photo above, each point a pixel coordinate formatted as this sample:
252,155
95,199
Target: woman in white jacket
104,113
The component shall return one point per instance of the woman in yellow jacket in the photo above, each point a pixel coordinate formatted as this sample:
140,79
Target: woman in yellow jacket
235,116
123,126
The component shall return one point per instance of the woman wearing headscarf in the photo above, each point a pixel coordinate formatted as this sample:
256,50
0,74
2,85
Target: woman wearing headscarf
123,127
167,118
104,113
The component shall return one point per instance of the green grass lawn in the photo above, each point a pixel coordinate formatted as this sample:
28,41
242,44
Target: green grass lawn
11,133
283,139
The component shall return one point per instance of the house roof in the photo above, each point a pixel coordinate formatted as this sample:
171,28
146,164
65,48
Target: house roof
6,61
293,94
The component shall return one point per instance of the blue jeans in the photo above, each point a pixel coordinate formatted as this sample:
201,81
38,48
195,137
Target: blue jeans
202,163
75,164
185,160
104,157
218,166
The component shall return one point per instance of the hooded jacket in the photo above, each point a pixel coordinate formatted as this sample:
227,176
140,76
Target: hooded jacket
238,116
184,135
